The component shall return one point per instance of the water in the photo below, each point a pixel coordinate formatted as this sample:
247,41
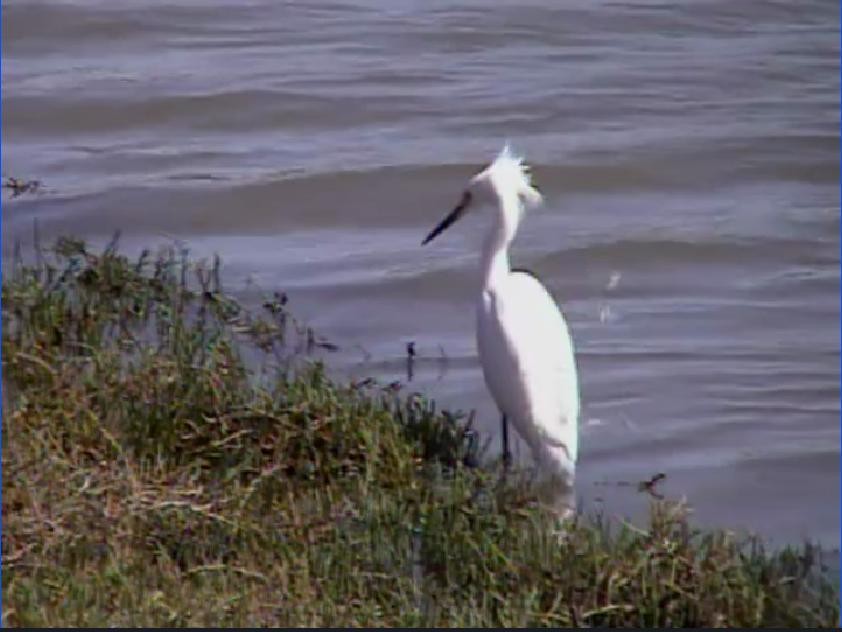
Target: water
688,152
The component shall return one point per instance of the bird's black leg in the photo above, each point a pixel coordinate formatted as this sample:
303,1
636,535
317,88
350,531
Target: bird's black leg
507,456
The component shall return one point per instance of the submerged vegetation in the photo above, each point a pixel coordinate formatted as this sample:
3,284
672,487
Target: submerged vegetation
171,459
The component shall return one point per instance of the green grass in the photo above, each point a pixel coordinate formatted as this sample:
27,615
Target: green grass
172,459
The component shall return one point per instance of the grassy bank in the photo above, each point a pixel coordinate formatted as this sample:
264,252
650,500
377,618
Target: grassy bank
150,478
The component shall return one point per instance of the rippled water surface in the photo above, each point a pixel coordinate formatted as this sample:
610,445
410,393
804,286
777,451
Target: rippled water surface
688,152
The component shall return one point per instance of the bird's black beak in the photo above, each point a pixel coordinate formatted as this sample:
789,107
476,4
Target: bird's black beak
450,219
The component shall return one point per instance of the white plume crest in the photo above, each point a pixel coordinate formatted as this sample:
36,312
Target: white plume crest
511,168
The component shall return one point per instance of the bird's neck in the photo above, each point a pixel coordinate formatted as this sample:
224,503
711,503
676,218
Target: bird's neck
495,251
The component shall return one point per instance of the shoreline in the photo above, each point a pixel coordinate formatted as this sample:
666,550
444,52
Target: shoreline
163,464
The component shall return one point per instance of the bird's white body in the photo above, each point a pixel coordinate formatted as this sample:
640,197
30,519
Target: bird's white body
525,348
528,364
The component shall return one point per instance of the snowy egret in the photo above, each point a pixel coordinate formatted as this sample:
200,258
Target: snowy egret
525,348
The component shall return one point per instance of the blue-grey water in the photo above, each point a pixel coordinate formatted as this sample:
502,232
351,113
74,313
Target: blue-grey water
688,153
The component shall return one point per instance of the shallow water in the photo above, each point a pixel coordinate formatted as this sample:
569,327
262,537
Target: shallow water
688,153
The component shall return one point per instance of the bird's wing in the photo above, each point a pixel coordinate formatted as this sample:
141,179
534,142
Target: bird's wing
535,343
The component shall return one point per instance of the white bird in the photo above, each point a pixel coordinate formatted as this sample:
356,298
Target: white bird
525,348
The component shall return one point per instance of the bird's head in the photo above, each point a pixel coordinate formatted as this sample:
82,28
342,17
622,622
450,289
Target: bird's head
507,177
